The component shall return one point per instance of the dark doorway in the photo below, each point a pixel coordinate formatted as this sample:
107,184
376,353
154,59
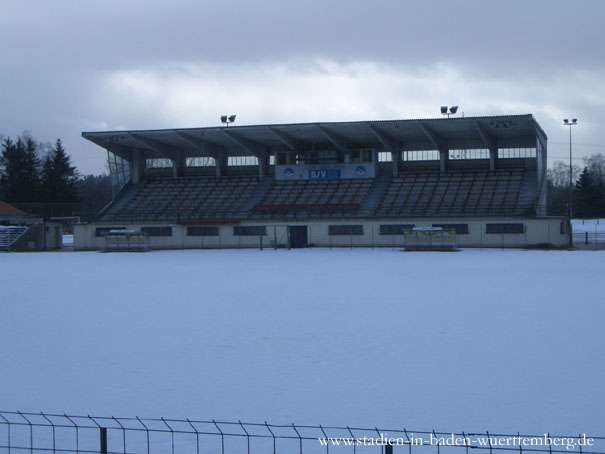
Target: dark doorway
298,236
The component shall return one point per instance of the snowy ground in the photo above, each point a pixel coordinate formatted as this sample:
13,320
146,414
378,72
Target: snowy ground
588,225
474,340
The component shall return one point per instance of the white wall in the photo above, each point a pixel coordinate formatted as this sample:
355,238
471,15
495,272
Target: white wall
544,231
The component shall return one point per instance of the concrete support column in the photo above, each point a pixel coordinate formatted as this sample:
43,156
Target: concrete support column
444,157
137,169
178,166
493,159
221,164
263,164
396,157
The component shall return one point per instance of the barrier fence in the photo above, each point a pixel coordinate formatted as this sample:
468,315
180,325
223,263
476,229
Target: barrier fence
56,433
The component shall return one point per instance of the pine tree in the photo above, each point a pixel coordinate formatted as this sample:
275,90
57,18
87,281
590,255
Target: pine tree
20,176
589,195
59,177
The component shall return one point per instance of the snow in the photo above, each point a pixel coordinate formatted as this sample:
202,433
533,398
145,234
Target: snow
588,225
475,340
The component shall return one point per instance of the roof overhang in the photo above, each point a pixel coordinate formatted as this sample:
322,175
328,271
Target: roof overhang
506,131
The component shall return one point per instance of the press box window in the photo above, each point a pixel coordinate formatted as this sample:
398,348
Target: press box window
103,231
345,230
395,229
157,231
461,229
202,231
249,230
505,228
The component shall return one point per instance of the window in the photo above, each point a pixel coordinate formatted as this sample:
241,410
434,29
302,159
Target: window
157,231
469,154
249,230
395,229
103,231
461,229
202,230
158,163
385,156
506,153
242,161
422,155
200,162
345,230
505,228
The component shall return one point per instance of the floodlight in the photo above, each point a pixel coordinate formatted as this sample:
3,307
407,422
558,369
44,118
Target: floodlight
565,121
453,109
444,110
574,121
231,118
223,118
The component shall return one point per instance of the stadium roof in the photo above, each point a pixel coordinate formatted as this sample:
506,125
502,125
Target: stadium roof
506,131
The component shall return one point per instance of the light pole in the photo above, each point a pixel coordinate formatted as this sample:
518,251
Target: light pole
452,110
227,119
571,123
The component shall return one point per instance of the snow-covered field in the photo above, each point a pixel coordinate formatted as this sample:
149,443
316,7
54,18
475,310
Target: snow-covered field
475,340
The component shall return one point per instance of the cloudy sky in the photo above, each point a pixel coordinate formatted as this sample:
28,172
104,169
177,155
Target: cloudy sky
69,66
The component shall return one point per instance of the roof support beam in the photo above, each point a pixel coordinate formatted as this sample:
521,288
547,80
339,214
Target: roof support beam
119,150
247,145
169,152
439,143
200,145
336,140
286,139
490,142
389,144
433,137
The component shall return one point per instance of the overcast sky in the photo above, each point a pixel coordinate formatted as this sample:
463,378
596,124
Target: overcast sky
69,66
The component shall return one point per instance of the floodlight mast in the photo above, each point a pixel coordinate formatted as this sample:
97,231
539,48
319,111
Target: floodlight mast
452,110
571,123
226,119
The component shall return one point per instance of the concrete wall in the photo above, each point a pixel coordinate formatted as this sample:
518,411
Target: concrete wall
538,232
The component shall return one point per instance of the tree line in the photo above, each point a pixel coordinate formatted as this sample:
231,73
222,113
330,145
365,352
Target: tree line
588,188
35,174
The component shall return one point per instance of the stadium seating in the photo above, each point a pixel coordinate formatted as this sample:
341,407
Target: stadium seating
419,193
313,198
459,193
8,234
187,198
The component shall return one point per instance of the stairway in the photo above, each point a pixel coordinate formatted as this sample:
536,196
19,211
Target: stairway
375,195
8,234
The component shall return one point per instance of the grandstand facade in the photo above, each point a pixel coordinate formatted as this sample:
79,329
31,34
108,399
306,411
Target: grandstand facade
330,184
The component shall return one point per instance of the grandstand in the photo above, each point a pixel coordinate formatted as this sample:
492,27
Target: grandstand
317,183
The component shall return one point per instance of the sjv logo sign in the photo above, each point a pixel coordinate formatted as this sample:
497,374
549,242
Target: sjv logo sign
324,174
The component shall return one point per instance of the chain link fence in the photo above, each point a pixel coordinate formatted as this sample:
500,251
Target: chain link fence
55,433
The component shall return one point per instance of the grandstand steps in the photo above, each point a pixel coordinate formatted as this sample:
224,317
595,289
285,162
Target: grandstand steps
375,195
263,187
123,199
9,234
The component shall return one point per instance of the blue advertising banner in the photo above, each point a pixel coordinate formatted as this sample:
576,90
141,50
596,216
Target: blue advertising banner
324,174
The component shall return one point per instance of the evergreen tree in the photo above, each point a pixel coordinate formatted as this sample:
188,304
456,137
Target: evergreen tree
584,195
20,175
59,177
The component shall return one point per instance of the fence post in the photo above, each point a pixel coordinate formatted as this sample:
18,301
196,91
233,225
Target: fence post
103,437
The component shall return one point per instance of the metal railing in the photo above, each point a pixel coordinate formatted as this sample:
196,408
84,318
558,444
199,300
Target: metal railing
22,432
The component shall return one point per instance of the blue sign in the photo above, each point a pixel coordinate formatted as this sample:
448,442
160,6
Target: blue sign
324,174
288,172
360,171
